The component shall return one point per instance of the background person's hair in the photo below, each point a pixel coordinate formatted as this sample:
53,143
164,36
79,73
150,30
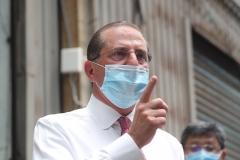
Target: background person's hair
197,129
97,42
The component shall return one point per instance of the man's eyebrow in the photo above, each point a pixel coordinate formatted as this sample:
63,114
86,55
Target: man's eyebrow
209,142
142,50
125,49
194,142
120,48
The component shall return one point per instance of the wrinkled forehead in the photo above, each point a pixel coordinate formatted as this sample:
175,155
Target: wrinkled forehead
123,33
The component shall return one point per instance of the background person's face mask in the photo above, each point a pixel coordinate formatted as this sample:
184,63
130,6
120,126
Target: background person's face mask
202,155
124,84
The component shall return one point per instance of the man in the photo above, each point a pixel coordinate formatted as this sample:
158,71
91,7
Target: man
203,141
117,66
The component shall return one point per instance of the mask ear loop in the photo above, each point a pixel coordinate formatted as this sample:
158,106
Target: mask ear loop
98,86
98,64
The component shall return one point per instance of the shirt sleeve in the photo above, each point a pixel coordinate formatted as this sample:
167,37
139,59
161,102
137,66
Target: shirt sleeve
51,144
122,148
181,157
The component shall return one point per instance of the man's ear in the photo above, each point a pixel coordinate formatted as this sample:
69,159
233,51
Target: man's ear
88,67
224,154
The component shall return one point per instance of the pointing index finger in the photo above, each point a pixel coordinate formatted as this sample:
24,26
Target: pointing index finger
146,96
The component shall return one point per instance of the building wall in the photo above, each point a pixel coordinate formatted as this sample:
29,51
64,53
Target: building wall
218,22
42,65
165,24
5,82
162,24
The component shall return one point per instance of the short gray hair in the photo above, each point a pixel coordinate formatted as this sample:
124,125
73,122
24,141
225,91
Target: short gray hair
203,129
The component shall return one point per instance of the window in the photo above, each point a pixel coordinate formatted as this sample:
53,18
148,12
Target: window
217,86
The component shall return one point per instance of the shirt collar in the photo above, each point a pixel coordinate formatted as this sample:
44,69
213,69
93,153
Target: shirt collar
104,115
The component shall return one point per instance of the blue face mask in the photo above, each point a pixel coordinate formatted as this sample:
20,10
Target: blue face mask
124,84
202,155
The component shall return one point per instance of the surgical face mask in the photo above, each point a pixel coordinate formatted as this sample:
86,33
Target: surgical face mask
203,155
124,84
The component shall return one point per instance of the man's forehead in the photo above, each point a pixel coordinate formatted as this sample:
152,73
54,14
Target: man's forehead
120,27
122,36
120,30
202,140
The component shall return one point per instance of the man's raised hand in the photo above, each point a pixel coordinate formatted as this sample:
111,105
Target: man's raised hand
149,115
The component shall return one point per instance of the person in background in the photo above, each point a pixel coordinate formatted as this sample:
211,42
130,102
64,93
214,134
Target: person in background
120,121
203,141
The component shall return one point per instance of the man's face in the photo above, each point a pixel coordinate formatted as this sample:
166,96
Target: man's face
124,38
208,143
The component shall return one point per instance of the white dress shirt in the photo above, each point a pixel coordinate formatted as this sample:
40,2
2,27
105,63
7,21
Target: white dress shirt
93,133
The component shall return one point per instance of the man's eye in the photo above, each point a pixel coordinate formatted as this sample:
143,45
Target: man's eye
118,55
142,57
196,148
208,148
